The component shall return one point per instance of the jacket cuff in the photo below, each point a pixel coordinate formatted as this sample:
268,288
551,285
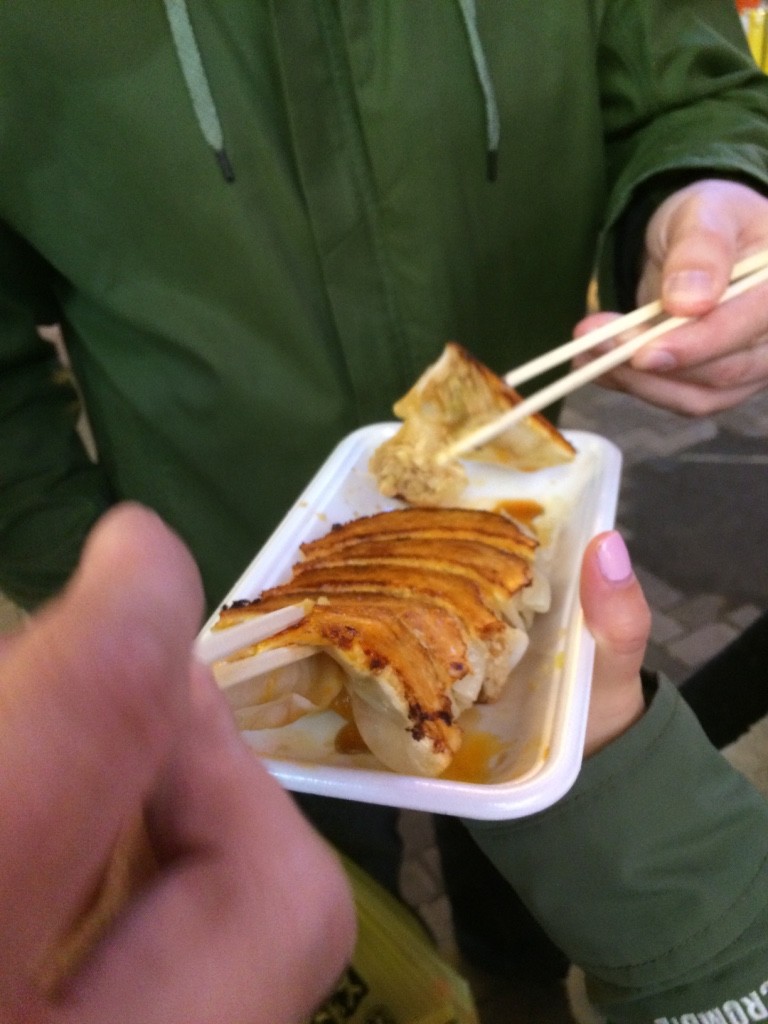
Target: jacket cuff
653,864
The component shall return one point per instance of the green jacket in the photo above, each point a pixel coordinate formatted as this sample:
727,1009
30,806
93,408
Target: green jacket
227,333
652,874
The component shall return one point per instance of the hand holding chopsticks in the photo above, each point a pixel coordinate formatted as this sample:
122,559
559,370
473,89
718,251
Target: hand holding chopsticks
746,274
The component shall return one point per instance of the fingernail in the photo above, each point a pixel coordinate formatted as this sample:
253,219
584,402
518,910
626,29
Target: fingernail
689,286
655,359
613,558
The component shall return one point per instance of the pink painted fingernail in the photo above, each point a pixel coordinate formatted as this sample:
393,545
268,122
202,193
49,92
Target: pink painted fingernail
613,558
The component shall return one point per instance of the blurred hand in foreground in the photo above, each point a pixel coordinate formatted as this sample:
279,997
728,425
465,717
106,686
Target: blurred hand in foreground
693,241
108,728
617,615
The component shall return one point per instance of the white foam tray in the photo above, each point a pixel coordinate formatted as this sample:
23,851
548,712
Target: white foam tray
523,752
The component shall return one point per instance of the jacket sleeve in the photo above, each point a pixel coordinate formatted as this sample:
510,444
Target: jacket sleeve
50,491
652,875
680,93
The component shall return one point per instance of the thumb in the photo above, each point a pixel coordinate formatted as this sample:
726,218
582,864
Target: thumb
92,693
618,617
118,639
698,235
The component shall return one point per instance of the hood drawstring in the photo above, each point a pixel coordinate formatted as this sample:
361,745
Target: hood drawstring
208,119
492,121
197,84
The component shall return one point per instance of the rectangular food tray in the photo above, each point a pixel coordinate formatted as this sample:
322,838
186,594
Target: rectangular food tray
519,754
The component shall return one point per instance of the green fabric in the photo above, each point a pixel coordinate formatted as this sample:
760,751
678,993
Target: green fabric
226,334
652,873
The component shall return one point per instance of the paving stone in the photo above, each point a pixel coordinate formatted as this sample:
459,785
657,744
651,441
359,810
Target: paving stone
703,644
677,441
659,594
748,418
639,443
699,527
659,659
744,616
700,610
664,628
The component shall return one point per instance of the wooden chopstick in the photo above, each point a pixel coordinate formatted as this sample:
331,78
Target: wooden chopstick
636,318
230,673
746,275
218,644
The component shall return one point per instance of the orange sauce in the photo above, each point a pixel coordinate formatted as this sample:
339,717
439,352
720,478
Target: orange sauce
522,510
472,762
348,739
342,705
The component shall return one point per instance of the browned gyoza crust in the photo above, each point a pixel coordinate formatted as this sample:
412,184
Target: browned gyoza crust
445,588
373,640
438,523
440,589
438,628
505,573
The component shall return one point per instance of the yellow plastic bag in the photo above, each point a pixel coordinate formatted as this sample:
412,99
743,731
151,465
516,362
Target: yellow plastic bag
396,975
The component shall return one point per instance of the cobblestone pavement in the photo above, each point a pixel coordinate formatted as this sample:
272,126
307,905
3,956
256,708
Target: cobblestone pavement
693,510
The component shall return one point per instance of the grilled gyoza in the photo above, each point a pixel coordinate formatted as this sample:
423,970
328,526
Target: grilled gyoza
452,397
425,610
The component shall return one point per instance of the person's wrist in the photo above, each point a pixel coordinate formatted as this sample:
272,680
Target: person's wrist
627,708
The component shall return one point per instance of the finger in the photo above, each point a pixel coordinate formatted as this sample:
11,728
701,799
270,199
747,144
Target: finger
90,694
696,245
702,367
696,271
696,237
251,918
676,394
618,618
597,320
738,324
